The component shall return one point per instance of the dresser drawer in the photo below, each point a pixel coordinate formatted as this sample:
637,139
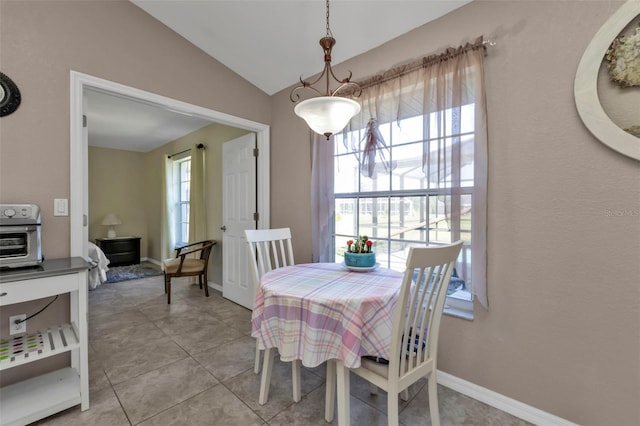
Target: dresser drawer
123,258
121,251
119,246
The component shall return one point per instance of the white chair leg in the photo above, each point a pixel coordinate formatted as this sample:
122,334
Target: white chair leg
433,400
265,381
342,375
404,394
295,379
256,365
392,408
330,391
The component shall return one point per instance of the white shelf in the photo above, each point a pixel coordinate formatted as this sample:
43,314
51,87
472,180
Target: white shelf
27,401
37,397
55,340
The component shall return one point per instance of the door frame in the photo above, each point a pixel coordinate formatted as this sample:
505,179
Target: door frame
79,196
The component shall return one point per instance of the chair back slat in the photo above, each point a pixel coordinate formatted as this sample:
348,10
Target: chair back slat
198,250
207,246
419,308
269,249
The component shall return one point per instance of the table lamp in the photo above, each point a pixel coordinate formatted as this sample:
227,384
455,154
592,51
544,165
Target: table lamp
111,220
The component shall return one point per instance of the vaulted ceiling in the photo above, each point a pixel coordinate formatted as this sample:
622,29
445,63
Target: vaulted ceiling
270,43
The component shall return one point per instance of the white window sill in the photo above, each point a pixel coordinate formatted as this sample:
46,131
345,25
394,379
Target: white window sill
458,305
458,313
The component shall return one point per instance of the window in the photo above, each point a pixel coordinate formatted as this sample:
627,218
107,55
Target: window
181,196
411,202
411,170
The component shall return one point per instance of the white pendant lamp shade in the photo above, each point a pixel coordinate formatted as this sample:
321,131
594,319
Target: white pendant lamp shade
327,115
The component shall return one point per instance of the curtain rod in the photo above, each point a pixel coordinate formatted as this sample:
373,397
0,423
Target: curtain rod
199,146
424,62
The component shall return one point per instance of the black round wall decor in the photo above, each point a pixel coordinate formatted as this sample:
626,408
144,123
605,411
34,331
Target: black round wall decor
9,95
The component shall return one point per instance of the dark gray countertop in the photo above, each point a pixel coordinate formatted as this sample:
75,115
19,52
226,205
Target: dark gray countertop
48,268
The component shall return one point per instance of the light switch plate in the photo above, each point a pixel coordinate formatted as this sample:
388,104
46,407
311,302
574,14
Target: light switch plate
61,207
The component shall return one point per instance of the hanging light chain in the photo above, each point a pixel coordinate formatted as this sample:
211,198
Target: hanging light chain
328,29
345,85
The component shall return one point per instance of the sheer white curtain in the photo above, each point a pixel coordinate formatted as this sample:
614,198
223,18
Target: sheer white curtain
197,200
322,200
437,88
167,236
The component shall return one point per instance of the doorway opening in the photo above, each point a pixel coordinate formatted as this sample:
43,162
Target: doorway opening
78,211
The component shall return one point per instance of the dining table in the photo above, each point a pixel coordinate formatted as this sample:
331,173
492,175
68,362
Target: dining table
324,312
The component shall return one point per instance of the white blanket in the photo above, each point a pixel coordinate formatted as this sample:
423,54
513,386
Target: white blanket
99,262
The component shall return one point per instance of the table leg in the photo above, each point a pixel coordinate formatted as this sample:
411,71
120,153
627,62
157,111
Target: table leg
295,378
256,365
330,391
342,374
265,381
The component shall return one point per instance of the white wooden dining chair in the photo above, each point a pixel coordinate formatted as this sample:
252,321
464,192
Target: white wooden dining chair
271,249
414,339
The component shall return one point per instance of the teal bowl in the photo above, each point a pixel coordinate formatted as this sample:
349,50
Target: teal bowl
360,260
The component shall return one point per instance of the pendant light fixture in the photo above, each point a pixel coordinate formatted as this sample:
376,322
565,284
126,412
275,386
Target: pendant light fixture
328,113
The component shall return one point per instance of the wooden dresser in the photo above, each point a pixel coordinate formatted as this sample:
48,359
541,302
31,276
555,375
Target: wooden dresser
120,251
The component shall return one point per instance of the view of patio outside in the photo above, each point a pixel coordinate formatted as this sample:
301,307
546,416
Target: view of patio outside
406,204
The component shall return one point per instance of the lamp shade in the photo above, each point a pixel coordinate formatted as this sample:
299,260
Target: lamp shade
327,115
111,219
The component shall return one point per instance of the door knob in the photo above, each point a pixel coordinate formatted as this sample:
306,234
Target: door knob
224,228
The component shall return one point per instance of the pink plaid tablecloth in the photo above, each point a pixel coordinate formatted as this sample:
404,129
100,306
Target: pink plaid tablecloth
320,311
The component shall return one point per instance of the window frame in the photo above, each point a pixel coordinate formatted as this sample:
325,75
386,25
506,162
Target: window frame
179,202
454,306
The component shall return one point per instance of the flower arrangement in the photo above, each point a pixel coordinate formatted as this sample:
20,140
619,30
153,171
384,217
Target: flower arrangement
359,253
624,59
361,245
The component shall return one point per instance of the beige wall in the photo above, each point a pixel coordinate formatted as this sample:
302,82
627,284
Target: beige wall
40,43
213,137
563,330
129,183
117,185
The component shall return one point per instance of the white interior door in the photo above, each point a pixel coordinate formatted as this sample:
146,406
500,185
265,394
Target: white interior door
238,207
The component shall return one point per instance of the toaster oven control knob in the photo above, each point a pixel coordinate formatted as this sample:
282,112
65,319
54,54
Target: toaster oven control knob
9,213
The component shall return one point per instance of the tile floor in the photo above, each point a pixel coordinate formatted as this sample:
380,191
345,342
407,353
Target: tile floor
191,362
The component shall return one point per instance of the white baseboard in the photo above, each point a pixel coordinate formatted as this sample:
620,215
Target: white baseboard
148,259
501,402
215,286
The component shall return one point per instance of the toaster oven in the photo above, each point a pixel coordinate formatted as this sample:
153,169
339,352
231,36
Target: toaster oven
20,235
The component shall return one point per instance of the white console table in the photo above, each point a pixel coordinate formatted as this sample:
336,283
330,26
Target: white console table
41,396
